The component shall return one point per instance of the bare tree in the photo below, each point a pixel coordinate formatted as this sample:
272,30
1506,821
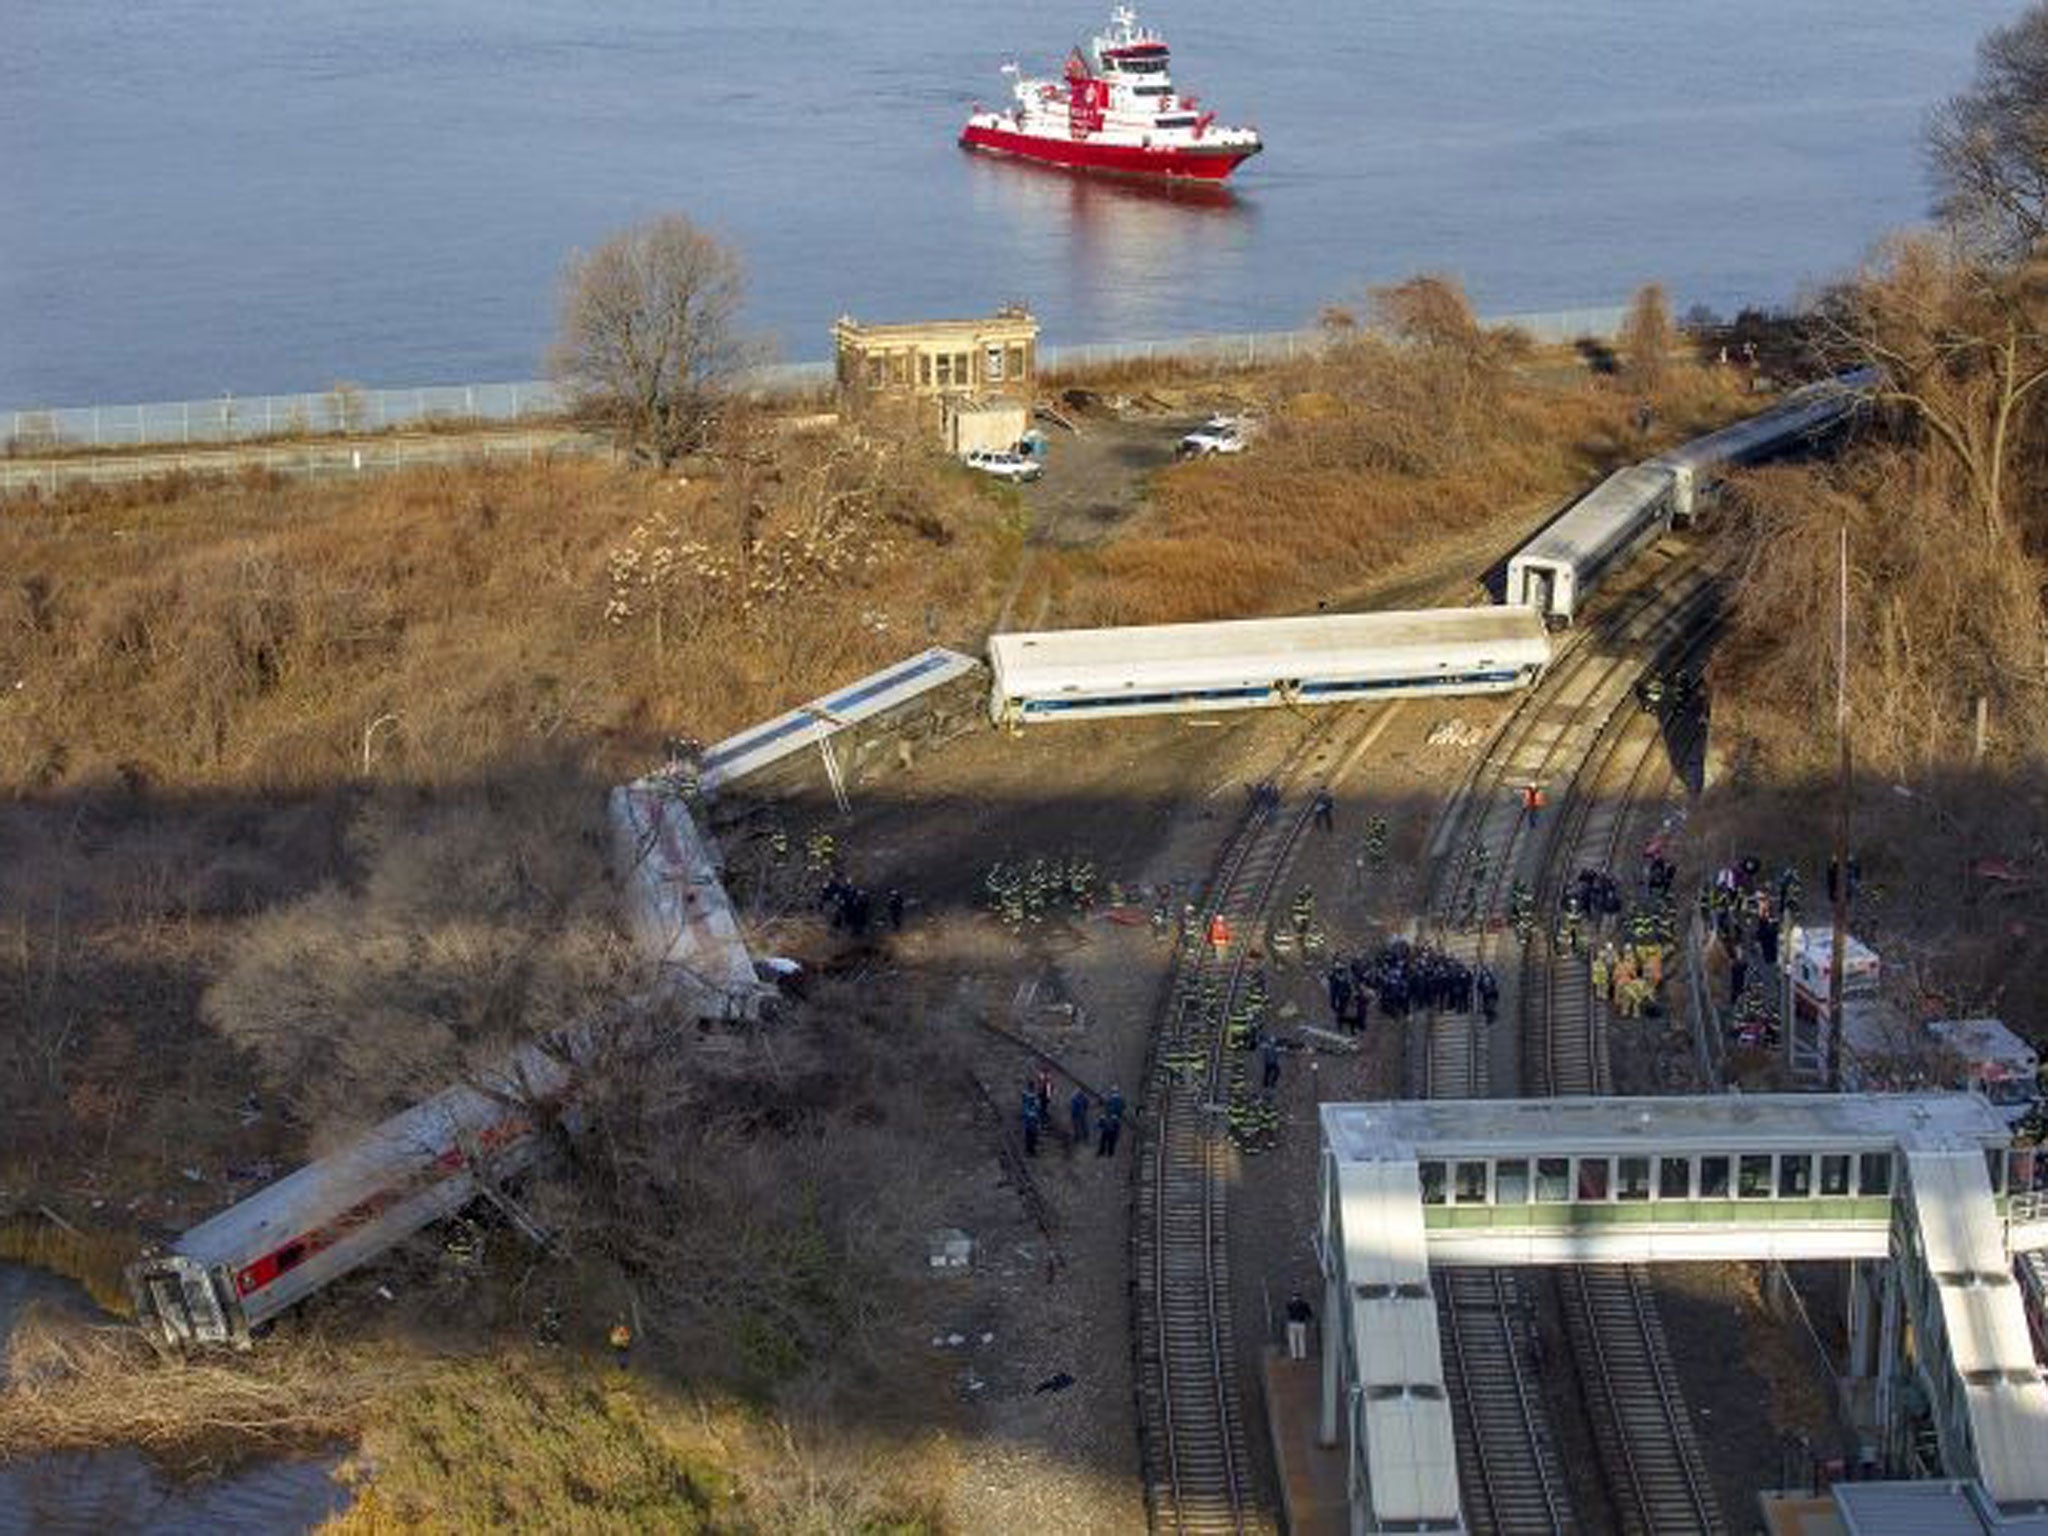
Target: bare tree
1962,345
1646,337
648,337
1429,310
1989,144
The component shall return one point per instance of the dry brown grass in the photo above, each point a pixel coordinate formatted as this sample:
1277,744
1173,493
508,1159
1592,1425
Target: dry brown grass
1370,455
1942,611
74,1386
292,636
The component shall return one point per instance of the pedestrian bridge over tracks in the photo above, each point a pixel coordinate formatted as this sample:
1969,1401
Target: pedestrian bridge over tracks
1919,1185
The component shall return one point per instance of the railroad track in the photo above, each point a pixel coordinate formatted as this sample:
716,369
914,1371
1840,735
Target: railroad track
1644,1436
1486,1320
1195,1450
1509,1466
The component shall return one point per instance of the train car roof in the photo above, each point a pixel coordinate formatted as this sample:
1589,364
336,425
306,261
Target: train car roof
1807,410
859,700
676,906
1597,517
1050,660
400,1147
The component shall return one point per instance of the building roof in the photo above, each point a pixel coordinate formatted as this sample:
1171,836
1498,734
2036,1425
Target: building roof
1008,320
1761,1122
1937,1507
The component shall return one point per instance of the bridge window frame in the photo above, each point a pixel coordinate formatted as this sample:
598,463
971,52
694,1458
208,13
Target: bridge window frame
1511,1181
1879,1164
1632,1178
1795,1176
1713,1179
1836,1171
1431,1176
1754,1175
1553,1181
1463,1189
1592,1180
1667,1167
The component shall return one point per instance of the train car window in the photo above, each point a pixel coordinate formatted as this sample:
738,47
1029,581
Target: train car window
1753,1176
1795,1178
1511,1181
1674,1178
1632,1179
1834,1173
1553,1179
1593,1180
1432,1183
1874,1173
1470,1184
1714,1178
291,1256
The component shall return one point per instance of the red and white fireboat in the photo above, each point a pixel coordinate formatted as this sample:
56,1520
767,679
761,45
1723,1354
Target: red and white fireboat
1115,111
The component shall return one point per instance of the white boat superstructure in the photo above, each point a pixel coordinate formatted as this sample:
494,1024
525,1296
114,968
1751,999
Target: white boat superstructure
1115,108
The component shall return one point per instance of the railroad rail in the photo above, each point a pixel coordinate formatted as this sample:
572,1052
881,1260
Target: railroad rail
1654,1470
1485,847
1491,1365
1197,1466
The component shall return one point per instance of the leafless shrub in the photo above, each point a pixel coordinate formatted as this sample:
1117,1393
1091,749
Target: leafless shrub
1989,143
648,341
478,923
1647,336
1963,348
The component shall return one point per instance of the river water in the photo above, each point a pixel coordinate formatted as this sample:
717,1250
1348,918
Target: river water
102,1492
198,198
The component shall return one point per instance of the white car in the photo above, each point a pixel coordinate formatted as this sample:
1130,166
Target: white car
1013,467
1219,434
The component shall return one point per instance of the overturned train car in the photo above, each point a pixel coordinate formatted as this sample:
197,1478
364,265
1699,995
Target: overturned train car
225,1278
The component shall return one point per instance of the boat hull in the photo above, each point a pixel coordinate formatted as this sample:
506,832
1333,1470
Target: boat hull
1179,163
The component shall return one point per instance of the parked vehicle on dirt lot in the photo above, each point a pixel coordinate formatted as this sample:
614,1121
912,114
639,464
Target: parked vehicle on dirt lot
1004,466
1219,434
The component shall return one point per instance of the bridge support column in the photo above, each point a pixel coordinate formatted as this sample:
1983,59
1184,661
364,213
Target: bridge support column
1334,1322
1887,1369
1858,1364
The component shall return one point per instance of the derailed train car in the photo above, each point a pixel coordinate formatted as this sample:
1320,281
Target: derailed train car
231,1274
1801,417
919,701
1557,571
1078,674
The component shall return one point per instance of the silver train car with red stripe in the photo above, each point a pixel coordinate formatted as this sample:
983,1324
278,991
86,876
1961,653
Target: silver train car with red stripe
227,1277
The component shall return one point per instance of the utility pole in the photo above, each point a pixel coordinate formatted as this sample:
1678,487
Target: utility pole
1838,958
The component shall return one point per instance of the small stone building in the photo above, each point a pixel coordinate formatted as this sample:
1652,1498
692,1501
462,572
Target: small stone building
969,379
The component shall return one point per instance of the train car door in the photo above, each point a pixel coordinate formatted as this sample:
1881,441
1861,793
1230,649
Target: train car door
1538,589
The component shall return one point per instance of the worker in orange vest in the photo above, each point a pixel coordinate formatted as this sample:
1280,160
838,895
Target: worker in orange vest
1219,932
1532,802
